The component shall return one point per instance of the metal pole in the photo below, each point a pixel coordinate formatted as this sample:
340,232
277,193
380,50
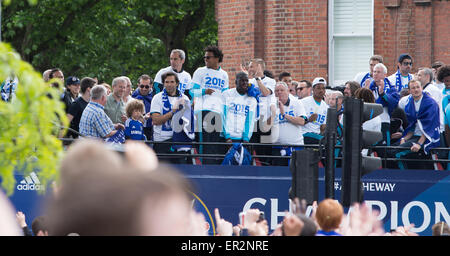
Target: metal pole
331,131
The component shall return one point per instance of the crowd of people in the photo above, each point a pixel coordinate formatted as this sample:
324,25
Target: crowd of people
101,192
277,115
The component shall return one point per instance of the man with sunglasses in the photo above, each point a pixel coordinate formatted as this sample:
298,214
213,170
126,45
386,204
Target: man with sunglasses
145,93
208,83
177,58
402,77
304,89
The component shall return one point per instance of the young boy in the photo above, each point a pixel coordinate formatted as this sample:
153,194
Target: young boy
134,127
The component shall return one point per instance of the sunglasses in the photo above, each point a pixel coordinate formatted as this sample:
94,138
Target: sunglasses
407,63
300,88
208,57
146,86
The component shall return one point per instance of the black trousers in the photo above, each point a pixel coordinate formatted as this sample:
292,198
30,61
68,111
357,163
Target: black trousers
408,154
261,149
165,149
211,129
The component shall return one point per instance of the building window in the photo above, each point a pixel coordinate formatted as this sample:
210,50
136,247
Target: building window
350,39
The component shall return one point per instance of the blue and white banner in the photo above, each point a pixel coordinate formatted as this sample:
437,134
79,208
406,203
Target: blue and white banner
402,197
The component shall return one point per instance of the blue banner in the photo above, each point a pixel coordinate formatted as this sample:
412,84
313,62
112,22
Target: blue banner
402,197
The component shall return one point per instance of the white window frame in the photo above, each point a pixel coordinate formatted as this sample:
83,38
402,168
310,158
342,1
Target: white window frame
331,39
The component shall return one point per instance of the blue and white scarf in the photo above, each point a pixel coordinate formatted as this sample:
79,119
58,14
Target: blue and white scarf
387,87
183,127
167,107
367,76
398,81
427,118
254,91
237,155
117,138
8,89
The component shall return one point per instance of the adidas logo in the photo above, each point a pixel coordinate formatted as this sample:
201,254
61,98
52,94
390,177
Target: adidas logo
30,183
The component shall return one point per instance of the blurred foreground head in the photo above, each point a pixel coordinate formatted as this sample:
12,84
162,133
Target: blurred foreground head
329,214
104,195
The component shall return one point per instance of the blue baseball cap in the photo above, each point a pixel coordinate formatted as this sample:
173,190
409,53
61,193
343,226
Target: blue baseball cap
404,56
72,80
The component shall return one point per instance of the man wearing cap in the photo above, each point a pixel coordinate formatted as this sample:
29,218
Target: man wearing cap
363,78
402,77
76,109
316,112
72,91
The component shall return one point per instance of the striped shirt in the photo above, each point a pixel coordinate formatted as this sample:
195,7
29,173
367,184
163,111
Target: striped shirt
94,122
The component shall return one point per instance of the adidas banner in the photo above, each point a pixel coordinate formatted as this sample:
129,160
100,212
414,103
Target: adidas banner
402,197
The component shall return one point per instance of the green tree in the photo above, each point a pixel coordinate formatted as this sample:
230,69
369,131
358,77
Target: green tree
29,124
107,38
182,24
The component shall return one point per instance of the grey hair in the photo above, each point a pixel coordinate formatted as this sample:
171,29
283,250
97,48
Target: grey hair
339,93
117,80
428,71
97,92
283,84
180,53
126,78
382,66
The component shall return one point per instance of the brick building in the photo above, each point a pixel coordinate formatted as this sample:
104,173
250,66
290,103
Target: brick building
332,38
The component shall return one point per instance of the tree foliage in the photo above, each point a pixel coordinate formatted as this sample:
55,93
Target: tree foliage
29,124
108,38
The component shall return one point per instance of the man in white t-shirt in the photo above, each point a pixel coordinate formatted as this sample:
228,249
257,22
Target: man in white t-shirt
208,83
239,111
266,85
164,106
365,78
289,119
316,112
177,58
401,78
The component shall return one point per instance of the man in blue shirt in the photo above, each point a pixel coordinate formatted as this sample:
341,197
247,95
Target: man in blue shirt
145,93
94,122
